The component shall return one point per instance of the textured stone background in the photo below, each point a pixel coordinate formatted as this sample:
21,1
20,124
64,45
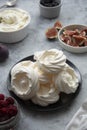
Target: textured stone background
72,12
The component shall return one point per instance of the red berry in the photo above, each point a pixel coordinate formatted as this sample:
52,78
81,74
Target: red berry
4,111
2,96
1,114
10,100
3,103
7,109
12,110
4,114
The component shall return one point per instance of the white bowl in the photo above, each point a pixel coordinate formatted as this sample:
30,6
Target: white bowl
50,12
15,35
68,47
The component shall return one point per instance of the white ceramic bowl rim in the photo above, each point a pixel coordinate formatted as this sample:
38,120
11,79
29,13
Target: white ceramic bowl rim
59,33
26,24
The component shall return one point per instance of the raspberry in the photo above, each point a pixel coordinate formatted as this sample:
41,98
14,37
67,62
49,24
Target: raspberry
3,103
7,109
2,96
10,100
4,114
1,114
4,111
12,110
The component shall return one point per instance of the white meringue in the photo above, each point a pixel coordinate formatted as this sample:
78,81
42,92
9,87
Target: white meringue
24,81
26,63
50,61
66,81
47,94
43,76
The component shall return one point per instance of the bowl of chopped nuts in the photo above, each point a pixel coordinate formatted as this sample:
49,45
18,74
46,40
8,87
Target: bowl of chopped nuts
73,38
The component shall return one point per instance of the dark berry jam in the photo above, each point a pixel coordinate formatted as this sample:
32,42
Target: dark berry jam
50,3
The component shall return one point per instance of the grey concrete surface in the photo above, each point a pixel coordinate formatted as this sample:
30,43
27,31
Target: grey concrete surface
72,12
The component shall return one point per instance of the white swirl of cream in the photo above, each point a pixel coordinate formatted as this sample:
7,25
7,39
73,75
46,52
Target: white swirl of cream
67,81
26,63
46,95
24,81
43,76
13,19
50,61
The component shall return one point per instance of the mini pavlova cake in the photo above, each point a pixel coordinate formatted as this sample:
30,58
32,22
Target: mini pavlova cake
24,80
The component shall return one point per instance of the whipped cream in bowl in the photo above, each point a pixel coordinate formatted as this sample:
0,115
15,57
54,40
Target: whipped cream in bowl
14,24
13,19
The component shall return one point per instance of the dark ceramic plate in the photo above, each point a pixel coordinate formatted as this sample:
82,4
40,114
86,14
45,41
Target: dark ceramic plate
65,99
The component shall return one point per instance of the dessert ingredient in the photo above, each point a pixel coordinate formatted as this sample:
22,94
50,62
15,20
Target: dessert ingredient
4,53
7,109
24,81
50,61
13,19
22,64
75,37
47,94
51,33
10,100
66,81
49,3
43,76
12,110
2,96
58,25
